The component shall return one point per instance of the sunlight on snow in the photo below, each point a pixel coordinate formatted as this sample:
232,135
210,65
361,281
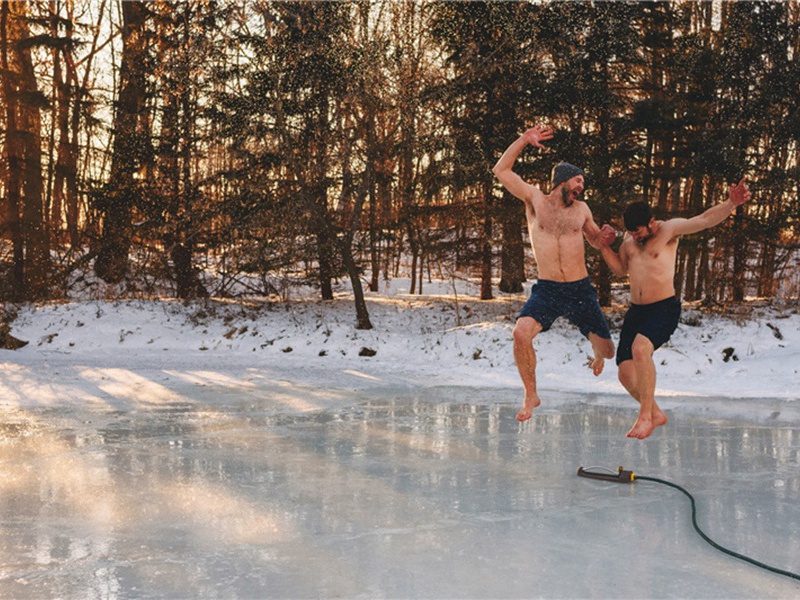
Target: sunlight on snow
360,374
210,378
127,384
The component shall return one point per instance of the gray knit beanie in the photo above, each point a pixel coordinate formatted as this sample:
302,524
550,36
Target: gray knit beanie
564,171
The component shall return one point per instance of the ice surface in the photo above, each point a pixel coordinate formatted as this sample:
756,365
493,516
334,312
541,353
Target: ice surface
155,450
181,484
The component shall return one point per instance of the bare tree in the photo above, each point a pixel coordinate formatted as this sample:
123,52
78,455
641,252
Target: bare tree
23,152
130,148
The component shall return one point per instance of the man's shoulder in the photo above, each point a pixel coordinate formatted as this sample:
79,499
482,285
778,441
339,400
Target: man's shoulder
668,228
537,196
584,208
627,242
538,193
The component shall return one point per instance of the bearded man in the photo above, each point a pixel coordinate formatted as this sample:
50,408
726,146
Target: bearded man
558,222
647,256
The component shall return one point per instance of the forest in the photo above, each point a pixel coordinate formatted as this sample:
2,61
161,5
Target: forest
220,148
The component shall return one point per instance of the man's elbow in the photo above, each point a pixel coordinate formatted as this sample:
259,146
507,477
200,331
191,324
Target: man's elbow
500,176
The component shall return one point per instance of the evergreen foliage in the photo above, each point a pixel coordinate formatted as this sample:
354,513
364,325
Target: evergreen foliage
281,143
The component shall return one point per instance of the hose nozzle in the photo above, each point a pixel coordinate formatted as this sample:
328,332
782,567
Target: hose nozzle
621,476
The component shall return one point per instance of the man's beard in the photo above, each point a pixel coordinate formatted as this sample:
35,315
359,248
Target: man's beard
643,241
565,197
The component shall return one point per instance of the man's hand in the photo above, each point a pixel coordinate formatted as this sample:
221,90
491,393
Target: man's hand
607,235
503,168
604,236
536,135
739,194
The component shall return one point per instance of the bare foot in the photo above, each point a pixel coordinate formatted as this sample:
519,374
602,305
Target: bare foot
527,408
642,428
597,365
645,425
659,418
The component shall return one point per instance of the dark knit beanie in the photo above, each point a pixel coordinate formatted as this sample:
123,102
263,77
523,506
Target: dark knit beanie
564,171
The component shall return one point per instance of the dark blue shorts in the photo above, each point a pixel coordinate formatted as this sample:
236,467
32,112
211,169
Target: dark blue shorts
657,322
575,300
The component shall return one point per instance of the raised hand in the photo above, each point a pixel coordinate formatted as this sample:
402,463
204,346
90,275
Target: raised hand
739,194
538,134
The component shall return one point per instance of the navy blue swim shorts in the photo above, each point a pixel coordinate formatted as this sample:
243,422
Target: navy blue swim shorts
656,321
575,300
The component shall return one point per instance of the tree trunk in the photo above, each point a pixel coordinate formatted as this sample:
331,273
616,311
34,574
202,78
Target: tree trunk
23,153
666,180
739,256
362,314
60,118
414,247
37,244
680,269
359,197
112,259
603,283
766,272
326,239
692,283
648,166
689,283
80,91
486,247
703,266
12,150
374,249
71,157
512,261
325,246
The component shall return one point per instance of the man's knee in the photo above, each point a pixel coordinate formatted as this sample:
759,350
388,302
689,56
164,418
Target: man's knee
642,349
525,330
626,373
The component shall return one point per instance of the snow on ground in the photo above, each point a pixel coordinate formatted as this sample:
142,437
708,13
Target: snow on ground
446,337
230,448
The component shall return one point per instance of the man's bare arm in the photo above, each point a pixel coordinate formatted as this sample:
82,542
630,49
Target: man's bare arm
738,195
618,263
595,235
502,170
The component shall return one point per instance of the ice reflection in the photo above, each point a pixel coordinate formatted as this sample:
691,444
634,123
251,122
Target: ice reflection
389,497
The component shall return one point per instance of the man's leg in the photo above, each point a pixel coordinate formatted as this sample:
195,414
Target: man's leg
603,348
643,388
525,357
626,372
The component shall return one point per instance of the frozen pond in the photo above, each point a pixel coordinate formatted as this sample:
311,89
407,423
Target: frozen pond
435,493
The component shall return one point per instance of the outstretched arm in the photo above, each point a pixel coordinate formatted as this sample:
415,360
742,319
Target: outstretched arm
618,263
502,170
738,195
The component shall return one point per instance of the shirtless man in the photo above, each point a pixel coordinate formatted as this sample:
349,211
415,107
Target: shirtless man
647,255
557,224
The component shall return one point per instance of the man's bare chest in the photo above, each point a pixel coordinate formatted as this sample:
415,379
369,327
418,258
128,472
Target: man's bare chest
652,254
558,222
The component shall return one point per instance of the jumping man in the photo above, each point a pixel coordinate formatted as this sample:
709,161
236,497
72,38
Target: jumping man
647,255
557,224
